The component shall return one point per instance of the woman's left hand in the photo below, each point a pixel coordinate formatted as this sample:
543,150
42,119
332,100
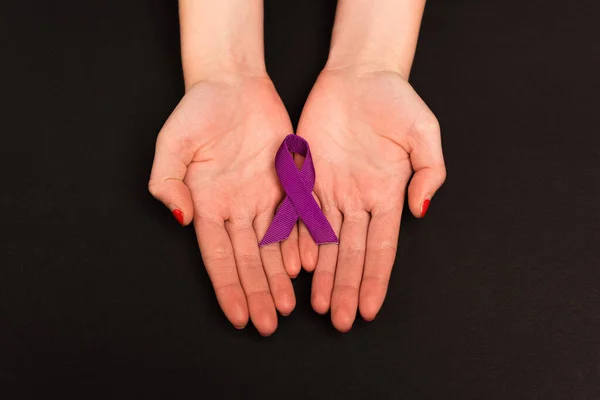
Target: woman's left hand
368,132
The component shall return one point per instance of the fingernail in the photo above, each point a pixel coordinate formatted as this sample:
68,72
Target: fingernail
178,216
424,207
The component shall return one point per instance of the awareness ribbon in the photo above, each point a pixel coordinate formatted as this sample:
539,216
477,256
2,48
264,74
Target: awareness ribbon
299,202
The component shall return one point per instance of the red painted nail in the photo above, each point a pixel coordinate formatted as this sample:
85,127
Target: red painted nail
424,207
178,216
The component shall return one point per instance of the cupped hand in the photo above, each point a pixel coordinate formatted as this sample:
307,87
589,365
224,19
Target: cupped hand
369,132
214,167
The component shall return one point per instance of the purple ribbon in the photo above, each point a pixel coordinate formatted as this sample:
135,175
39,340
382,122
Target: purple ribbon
299,202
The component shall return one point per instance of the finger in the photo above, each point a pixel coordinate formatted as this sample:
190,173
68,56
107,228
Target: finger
272,261
252,276
172,157
217,255
309,250
349,271
324,275
427,161
382,242
290,252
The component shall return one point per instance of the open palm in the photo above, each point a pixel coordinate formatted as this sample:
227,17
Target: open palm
368,133
214,163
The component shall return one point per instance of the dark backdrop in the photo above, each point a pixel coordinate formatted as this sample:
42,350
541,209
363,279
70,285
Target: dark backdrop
495,295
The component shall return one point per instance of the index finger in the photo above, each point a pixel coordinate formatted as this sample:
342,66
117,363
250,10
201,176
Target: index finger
217,254
382,243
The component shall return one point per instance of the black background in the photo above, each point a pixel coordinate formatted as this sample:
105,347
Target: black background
495,295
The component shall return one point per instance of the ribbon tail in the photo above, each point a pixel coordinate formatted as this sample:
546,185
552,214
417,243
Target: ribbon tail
310,213
284,221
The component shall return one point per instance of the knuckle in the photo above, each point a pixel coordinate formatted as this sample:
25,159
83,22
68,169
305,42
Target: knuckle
153,188
386,247
227,289
279,282
258,293
354,216
247,260
353,252
218,255
428,125
323,278
348,288
443,174
375,280
437,173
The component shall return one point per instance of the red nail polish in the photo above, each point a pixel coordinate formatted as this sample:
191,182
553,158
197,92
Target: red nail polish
425,207
178,216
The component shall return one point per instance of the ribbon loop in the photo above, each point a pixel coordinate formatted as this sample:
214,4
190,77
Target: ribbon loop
299,202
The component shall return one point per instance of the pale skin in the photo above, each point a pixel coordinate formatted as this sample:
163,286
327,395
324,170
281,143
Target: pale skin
368,130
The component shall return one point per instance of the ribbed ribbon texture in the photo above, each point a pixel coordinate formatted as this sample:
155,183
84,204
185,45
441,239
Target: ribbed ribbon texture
299,202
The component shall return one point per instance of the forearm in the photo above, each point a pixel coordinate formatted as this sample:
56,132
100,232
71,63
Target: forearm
376,34
224,36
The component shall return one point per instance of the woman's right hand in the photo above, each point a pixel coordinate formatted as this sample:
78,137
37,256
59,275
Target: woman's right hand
214,167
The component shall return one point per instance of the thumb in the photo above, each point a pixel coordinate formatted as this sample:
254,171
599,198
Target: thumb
166,181
427,161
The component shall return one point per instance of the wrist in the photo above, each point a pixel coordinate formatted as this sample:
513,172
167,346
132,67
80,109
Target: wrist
221,38
196,69
375,36
360,66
